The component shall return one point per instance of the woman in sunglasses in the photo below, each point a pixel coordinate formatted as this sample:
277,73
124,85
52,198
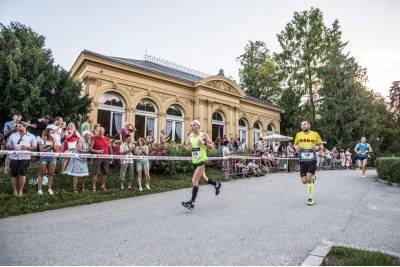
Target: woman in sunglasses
46,162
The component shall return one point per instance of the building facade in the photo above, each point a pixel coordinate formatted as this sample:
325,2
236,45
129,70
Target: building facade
155,95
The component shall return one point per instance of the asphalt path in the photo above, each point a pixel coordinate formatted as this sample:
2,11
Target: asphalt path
256,221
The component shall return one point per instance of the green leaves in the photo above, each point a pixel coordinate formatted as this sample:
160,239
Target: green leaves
29,81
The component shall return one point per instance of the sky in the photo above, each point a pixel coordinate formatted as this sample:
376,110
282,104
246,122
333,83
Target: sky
207,35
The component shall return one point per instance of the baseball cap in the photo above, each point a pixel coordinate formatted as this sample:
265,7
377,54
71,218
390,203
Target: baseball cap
17,113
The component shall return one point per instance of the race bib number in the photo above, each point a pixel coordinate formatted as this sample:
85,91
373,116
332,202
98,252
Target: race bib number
307,155
196,153
363,152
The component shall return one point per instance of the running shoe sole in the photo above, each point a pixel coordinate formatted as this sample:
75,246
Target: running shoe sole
187,206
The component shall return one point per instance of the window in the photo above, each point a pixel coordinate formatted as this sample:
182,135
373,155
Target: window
146,119
111,113
257,131
218,127
243,130
175,124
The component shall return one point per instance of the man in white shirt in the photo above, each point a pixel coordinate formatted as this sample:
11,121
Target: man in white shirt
57,127
19,163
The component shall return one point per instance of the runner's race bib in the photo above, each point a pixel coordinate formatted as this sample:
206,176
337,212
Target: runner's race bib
196,153
307,155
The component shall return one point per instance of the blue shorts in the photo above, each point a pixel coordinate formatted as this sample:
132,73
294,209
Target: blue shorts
47,160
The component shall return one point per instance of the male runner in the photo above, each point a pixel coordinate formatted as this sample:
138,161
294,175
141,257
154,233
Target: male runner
306,143
362,149
197,142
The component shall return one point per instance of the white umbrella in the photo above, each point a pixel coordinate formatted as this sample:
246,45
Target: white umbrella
277,137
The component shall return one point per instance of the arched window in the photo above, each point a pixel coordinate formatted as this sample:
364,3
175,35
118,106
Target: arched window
243,130
257,131
111,113
218,127
175,124
146,118
270,129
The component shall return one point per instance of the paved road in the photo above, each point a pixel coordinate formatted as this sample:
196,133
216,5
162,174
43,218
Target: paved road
257,221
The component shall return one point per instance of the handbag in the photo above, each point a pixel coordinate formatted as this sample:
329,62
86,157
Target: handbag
71,145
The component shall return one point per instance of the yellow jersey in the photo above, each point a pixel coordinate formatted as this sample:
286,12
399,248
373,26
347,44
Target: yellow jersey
307,140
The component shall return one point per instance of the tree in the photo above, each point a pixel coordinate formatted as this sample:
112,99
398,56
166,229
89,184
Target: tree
394,99
31,83
258,75
303,44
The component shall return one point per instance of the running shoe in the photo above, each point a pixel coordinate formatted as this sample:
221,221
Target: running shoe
363,176
50,192
40,192
310,202
217,188
189,205
314,178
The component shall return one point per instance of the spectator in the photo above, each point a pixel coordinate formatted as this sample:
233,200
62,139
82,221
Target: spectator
241,169
348,158
46,144
276,146
125,131
100,145
259,145
86,125
71,136
19,141
243,146
254,168
2,145
226,164
10,127
127,164
150,138
163,137
77,166
290,150
342,158
96,129
328,156
57,127
38,126
115,146
335,155
142,164
322,156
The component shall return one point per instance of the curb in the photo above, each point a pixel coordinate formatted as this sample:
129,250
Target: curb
316,257
388,183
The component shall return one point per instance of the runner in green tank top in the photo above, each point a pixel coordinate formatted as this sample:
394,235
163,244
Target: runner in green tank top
197,142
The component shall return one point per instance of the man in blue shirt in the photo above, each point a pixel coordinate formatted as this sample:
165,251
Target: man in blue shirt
362,149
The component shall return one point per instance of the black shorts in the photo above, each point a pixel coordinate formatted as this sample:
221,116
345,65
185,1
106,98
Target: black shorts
198,164
19,167
308,167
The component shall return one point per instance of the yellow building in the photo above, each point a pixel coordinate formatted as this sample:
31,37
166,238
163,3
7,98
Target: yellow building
154,94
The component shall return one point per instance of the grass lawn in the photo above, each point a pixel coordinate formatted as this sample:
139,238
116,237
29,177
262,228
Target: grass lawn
31,202
343,256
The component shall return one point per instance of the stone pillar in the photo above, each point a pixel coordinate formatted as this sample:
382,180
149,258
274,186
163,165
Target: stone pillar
209,118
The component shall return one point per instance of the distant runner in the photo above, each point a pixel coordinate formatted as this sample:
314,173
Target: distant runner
362,149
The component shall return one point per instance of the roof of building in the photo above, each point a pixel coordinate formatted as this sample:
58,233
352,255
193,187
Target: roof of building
261,101
146,65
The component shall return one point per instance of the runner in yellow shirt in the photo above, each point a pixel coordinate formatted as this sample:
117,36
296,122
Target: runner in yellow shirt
197,142
306,143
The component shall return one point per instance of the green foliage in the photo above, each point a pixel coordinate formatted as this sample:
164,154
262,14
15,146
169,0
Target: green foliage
303,44
170,167
31,83
258,75
388,169
394,102
343,256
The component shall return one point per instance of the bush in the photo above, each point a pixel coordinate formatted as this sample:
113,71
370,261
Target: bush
388,169
170,166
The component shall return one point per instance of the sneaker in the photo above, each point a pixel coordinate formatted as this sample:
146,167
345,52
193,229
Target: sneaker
130,188
189,205
40,192
50,192
217,188
313,179
140,189
147,186
310,202
363,176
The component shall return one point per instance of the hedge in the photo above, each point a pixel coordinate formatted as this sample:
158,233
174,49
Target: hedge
388,169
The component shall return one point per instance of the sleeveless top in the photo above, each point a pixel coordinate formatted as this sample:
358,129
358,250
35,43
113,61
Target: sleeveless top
198,152
363,149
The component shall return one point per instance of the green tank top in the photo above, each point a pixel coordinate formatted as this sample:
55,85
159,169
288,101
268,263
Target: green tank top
198,152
